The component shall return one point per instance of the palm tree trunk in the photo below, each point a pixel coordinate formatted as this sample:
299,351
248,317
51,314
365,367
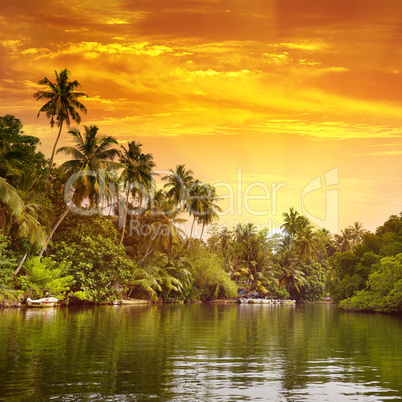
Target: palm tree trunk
147,253
55,228
54,147
125,217
202,232
191,234
20,265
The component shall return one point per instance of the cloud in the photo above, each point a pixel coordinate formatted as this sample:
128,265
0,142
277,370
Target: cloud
187,75
330,130
91,50
386,153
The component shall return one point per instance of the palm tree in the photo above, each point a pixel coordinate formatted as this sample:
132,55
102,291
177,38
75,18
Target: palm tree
159,275
293,223
10,203
243,232
291,276
90,154
211,209
162,232
178,183
306,246
345,241
357,232
62,104
137,174
196,204
24,216
225,236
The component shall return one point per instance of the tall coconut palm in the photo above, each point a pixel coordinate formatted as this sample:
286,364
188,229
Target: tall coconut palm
178,183
243,232
211,209
345,240
225,236
306,246
90,156
196,204
62,104
357,231
137,174
293,222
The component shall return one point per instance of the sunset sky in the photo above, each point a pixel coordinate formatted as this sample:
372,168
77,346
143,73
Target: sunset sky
275,92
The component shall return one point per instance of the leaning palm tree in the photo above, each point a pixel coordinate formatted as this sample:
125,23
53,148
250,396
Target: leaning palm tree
90,156
62,104
136,176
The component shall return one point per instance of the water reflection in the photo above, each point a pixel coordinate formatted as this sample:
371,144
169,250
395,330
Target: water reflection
203,352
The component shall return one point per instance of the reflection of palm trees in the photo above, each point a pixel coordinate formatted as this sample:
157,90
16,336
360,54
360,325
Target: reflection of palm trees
62,104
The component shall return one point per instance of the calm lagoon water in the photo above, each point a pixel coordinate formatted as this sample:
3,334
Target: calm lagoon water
200,352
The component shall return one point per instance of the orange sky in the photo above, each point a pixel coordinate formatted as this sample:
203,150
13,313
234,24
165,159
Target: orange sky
283,91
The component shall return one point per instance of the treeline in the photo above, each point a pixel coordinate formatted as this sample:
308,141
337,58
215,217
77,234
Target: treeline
115,234
98,228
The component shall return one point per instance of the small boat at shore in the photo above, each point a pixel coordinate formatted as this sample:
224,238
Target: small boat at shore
264,301
44,302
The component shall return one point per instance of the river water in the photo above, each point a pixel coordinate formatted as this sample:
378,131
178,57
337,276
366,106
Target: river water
200,352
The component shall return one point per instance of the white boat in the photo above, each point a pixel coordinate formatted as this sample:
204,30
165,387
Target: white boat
288,301
44,302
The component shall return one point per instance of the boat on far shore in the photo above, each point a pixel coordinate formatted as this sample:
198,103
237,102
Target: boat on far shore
44,302
253,300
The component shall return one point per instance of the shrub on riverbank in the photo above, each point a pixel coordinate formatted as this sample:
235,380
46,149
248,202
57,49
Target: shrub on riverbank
384,288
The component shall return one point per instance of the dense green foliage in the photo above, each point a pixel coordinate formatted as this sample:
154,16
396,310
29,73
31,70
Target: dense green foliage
368,276
383,290
154,259
113,233
7,263
46,276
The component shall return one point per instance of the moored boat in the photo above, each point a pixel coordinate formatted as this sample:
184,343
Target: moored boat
288,301
44,302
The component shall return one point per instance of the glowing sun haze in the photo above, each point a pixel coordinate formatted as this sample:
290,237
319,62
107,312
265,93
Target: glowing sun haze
279,91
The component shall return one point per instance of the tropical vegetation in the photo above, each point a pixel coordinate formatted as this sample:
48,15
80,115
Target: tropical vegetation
98,227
